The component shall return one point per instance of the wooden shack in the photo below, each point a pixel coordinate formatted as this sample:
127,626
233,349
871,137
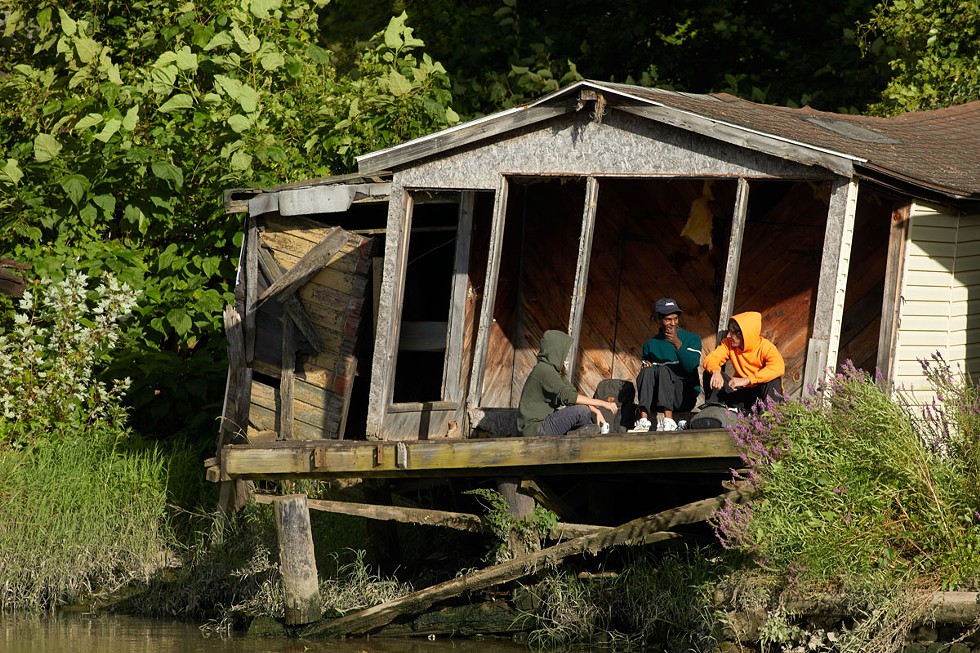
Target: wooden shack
385,321
405,303
857,238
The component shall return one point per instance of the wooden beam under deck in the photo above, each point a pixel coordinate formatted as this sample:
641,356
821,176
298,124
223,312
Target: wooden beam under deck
707,450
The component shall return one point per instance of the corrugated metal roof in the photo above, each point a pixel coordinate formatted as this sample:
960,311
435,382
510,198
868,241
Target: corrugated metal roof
936,150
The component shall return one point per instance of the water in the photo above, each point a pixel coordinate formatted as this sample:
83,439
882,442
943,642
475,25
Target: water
70,633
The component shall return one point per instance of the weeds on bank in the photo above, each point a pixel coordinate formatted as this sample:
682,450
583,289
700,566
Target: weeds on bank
81,499
864,495
662,598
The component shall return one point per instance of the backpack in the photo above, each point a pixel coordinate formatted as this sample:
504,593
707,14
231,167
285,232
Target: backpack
713,416
623,392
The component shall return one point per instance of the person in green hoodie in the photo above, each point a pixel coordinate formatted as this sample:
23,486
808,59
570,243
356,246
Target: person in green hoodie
546,391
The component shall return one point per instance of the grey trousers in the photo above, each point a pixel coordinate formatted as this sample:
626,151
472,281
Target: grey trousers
565,420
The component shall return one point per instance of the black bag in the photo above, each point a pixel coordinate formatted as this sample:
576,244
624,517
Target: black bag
713,416
622,392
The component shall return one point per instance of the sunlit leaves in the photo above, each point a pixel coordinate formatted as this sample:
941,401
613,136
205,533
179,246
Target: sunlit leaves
46,147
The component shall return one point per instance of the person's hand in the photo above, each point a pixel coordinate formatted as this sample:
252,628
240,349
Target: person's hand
738,382
613,408
670,334
717,380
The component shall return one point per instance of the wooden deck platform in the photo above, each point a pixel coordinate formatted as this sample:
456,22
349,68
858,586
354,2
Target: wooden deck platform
706,450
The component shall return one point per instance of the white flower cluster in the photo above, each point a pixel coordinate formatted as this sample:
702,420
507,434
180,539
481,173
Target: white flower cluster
61,334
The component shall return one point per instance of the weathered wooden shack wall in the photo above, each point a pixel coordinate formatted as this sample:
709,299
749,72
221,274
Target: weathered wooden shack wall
940,308
298,392
621,144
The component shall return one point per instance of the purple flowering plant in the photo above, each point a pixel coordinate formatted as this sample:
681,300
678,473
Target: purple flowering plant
850,483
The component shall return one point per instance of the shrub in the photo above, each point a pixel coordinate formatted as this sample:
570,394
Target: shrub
857,489
63,331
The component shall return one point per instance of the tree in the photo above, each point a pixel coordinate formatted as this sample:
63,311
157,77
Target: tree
123,122
933,50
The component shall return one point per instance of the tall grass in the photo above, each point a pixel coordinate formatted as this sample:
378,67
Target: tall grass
79,516
82,500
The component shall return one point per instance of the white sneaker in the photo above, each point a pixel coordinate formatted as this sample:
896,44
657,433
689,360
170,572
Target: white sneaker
642,424
668,425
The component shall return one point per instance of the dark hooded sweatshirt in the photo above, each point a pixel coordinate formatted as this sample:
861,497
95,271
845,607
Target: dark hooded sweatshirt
546,389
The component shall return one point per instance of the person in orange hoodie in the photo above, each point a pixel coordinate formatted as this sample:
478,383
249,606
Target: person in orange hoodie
757,364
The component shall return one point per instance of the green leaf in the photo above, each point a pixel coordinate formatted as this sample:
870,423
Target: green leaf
163,79
111,127
87,49
46,147
166,258
75,187
107,203
248,43
261,8
88,121
229,86
186,60
11,172
177,102
219,40
272,60
168,171
129,122
398,84
180,321
239,123
68,26
241,160
393,33
248,98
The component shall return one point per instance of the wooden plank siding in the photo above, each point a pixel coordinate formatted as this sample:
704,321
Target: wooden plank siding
309,399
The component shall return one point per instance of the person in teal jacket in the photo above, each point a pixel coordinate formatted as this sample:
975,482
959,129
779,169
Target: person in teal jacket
550,405
668,381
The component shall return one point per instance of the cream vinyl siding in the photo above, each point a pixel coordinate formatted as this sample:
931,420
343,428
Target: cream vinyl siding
940,307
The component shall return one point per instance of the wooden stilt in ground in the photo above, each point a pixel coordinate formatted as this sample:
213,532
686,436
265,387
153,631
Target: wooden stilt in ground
521,505
296,560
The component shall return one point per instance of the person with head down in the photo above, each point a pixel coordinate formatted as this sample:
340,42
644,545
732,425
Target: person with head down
549,404
668,381
757,365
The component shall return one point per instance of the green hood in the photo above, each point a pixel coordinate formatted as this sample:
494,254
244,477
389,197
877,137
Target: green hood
554,348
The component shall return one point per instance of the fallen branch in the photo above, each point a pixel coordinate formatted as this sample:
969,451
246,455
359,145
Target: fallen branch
642,530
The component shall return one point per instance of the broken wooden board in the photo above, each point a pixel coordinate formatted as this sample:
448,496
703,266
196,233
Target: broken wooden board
460,521
312,277
638,531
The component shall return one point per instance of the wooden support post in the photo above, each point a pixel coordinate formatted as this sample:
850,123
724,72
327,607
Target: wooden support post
251,286
891,301
582,271
452,371
388,317
521,505
233,494
296,560
286,380
832,287
489,292
734,256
